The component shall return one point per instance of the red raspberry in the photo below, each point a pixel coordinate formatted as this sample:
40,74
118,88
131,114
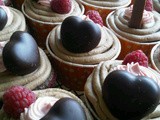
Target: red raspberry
61,6
15,99
149,5
136,56
1,2
95,16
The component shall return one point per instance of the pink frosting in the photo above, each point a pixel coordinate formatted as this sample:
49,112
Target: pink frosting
45,2
147,19
138,70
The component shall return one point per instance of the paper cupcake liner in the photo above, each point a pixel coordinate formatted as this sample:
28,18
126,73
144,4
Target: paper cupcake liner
103,11
57,93
38,29
17,4
128,46
155,57
71,75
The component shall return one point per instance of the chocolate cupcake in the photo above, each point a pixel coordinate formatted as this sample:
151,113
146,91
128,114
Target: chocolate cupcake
77,46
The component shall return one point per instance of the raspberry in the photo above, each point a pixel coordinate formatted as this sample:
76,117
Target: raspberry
1,2
136,56
61,6
95,16
15,99
149,5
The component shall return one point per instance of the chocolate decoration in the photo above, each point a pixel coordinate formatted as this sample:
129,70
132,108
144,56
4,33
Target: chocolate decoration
65,109
3,18
137,13
21,54
130,97
79,35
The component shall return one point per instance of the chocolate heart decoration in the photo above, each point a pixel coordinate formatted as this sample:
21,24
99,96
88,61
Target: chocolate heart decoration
130,97
3,18
79,35
65,109
21,54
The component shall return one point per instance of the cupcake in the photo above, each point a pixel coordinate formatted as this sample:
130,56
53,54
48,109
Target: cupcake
77,46
43,15
104,7
155,57
24,64
119,91
44,104
135,27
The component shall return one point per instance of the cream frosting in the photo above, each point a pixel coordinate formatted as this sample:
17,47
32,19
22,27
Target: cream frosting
156,5
108,48
93,86
2,67
119,22
110,4
45,14
39,108
32,80
16,22
45,2
147,18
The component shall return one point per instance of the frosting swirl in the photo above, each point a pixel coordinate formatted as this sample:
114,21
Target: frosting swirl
110,4
16,22
39,108
108,48
44,2
118,21
147,18
43,12
93,86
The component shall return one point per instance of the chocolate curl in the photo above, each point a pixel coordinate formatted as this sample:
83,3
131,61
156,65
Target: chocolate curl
137,13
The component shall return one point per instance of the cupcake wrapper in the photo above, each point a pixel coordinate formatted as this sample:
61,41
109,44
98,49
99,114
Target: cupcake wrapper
69,74
155,57
38,29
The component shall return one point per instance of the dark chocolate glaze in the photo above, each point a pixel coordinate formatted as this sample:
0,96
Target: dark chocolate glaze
78,35
21,54
130,97
3,18
65,109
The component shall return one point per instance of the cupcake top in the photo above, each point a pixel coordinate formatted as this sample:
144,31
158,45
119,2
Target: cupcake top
47,103
42,10
14,21
88,47
120,22
109,4
93,87
19,67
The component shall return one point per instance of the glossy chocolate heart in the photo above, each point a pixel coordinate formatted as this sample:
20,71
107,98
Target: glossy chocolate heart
3,18
79,35
65,109
21,54
130,97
